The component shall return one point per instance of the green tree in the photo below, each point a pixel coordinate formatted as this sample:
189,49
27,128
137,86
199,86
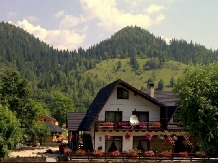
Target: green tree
172,82
59,106
10,131
15,93
197,92
160,85
40,130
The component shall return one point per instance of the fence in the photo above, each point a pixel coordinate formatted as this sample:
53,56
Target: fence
123,157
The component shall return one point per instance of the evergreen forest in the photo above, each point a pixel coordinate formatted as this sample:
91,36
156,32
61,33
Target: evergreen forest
79,74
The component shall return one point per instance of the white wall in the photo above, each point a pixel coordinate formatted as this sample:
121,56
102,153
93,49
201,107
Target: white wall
126,106
129,105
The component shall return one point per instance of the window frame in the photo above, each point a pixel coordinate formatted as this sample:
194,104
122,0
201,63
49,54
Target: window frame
112,140
114,118
141,112
121,93
142,138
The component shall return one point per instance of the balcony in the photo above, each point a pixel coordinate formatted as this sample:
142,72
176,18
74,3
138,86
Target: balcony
125,126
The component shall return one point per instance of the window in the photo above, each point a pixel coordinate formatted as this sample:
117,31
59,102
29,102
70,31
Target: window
122,93
114,143
140,143
113,116
141,115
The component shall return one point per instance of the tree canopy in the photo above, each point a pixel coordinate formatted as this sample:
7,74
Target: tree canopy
10,131
59,106
197,91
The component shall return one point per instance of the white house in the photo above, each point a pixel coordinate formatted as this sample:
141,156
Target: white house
107,120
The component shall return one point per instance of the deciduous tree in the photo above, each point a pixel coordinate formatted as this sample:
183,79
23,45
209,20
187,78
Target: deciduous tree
10,131
197,91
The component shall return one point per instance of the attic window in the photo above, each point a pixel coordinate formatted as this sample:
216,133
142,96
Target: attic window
122,93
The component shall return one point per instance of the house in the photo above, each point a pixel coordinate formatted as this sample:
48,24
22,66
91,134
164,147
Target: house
122,118
55,130
73,121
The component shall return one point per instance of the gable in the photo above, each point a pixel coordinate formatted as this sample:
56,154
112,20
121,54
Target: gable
103,96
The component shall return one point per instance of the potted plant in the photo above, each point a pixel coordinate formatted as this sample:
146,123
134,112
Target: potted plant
115,153
122,124
108,124
165,153
98,153
200,154
127,136
149,153
148,137
142,124
107,136
132,153
81,152
156,124
183,154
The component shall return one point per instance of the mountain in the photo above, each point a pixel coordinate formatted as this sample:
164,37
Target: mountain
132,53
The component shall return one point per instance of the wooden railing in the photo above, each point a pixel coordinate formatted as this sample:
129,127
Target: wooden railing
140,156
125,125
142,126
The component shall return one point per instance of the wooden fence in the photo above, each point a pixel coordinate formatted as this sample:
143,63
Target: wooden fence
125,158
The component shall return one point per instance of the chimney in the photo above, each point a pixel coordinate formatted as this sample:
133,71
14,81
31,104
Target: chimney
151,90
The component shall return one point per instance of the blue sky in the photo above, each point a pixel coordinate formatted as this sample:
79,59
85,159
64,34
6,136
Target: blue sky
70,24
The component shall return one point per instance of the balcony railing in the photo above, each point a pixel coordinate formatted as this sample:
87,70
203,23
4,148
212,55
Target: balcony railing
125,125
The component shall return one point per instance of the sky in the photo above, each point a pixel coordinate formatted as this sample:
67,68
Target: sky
70,24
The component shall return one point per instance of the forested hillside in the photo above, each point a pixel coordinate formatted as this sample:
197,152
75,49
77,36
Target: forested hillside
74,72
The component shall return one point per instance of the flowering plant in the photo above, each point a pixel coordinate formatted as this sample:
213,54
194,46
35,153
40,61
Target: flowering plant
148,136
142,124
132,152
108,124
200,153
98,152
81,152
149,153
156,124
165,153
107,136
127,135
122,124
183,154
115,153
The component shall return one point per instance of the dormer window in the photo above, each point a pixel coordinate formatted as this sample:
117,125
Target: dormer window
122,93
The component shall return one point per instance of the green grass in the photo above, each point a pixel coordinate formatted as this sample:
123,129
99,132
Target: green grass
107,70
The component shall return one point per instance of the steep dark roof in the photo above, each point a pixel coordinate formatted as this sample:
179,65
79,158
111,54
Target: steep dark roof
167,98
102,97
53,127
73,120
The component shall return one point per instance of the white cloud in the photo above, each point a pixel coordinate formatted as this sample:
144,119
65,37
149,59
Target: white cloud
61,39
166,39
153,8
59,14
10,14
31,18
111,18
70,21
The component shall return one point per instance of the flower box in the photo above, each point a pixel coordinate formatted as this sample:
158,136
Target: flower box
115,153
165,153
183,154
108,124
149,153
98,153
132,153
156,124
